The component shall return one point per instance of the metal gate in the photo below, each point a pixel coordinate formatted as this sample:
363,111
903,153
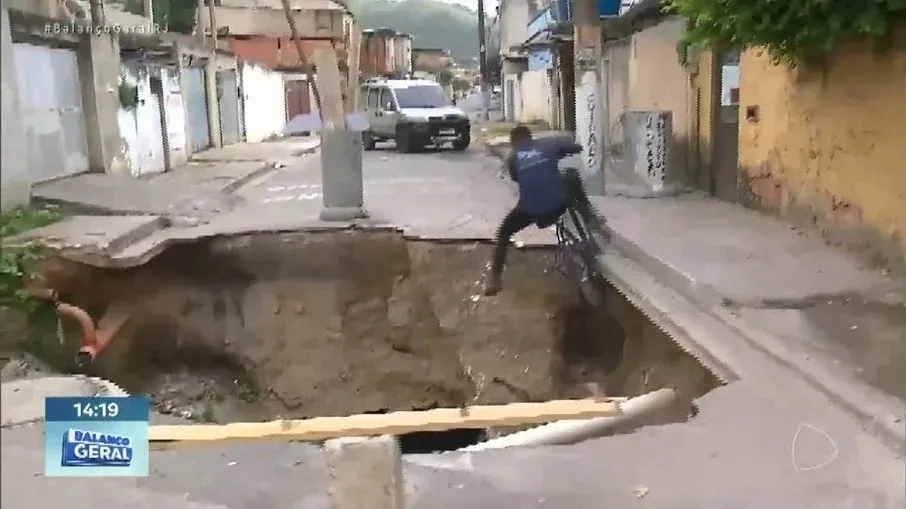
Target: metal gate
228,98
298,99
241,95
50,103
197,110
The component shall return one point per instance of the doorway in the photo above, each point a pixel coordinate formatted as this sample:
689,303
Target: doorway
568,86
725,173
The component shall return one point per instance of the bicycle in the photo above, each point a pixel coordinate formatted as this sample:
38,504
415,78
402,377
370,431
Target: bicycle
577,250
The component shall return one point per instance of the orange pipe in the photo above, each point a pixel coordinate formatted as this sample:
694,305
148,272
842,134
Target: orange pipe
93,340
108,326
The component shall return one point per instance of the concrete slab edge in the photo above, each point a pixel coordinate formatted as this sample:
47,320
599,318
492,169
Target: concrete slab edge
237,183
136,234
617,275
709,338
97,257
310,149
86,209
155,248
880,414
877,411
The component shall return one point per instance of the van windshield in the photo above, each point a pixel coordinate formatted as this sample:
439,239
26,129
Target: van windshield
421,96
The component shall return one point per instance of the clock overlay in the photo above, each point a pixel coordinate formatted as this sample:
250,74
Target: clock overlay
96,437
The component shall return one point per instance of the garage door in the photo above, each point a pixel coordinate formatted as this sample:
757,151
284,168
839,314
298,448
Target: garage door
197,110
50,100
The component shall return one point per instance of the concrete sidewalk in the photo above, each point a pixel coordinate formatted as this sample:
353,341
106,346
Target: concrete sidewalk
200,188
126,211
840,325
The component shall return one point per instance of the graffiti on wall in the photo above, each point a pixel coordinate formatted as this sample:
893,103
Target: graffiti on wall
591,143
656,148
588,128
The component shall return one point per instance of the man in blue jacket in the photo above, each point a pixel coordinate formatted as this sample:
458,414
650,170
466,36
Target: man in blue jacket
544,193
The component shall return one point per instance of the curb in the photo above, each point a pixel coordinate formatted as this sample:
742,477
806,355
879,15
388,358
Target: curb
881,416
268,166
137,234
235,184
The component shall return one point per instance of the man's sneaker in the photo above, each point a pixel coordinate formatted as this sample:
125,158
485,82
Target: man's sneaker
492,285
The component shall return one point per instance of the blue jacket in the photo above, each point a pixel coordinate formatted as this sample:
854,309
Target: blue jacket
533,166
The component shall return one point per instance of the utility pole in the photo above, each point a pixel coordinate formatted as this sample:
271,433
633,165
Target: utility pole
199,22
483,62
212,21
303,60
590,112
97,12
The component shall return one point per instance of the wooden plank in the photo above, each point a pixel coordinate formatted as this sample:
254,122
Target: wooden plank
330,88
396,423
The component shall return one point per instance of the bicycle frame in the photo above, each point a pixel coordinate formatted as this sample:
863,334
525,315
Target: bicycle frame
575,258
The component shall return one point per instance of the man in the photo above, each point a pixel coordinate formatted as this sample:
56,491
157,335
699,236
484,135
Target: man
544,193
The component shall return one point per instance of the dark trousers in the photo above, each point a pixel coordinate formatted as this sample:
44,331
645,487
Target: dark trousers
517,220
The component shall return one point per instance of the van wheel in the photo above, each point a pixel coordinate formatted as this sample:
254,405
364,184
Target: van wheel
462,143
368,140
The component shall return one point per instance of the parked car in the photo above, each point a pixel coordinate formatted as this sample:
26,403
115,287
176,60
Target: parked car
414,113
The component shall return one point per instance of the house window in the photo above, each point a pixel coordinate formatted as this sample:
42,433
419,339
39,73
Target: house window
373,98
386,102
323,19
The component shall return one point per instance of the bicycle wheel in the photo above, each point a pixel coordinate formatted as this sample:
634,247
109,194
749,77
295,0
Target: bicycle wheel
589,247
578,224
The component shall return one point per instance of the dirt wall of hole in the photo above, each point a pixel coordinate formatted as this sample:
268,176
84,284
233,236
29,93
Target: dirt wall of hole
346,322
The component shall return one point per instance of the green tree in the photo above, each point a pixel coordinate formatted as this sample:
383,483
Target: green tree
170,15
431,23
461,84
445,78
789,29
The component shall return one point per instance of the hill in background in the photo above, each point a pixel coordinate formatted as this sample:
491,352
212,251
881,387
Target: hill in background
431,23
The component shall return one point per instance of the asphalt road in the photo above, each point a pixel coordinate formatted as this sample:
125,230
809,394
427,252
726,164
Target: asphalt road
435,194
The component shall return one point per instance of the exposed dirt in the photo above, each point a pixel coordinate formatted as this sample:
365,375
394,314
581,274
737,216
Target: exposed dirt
337,323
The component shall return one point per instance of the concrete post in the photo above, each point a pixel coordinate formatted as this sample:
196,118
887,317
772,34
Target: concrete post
99,75
210,81
212,22
15,180
341,175
365,473
200,23
647,136
590,113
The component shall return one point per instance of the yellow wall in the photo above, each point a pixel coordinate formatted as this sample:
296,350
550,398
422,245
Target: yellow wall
700,121
829,145
657,81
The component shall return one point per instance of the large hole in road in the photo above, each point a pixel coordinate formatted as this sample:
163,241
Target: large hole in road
312,324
